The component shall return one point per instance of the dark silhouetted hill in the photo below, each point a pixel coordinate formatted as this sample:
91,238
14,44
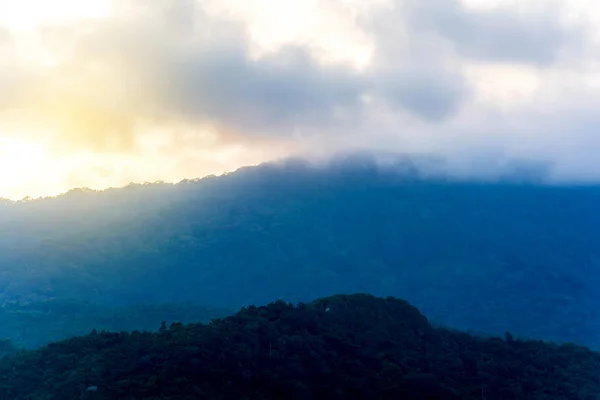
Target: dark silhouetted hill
340,347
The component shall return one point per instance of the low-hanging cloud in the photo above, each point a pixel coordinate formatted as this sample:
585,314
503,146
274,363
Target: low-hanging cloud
270,95
176,66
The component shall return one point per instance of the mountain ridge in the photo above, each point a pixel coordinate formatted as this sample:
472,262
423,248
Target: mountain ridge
479,256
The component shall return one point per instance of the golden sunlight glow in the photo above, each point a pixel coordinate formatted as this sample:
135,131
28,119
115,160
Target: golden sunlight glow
28,14
24,169
19,154
32,168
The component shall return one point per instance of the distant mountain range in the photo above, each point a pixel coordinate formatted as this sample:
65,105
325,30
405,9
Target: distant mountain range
482,256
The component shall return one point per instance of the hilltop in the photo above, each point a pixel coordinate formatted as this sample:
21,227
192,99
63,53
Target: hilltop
340,347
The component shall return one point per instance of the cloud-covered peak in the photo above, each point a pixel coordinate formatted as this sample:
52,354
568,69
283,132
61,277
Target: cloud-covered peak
181,88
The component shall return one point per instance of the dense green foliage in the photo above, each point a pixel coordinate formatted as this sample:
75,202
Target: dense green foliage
477,256
341,347
35,324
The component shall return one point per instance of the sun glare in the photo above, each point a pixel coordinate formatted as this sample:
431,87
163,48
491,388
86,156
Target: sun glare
24,167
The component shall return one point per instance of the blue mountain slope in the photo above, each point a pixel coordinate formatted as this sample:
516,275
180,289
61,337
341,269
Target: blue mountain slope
479,256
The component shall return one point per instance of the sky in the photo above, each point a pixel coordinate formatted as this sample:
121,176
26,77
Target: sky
101,93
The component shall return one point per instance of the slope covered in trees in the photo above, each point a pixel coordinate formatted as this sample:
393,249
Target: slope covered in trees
479,256
340,347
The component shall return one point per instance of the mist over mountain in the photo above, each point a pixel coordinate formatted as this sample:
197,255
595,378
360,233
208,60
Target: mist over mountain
504,252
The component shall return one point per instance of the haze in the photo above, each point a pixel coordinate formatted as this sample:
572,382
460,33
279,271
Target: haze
129,90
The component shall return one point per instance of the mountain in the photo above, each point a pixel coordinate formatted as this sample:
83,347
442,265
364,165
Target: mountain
340,347
513,254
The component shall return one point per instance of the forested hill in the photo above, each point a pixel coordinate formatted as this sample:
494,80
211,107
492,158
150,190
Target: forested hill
340,347
480,256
